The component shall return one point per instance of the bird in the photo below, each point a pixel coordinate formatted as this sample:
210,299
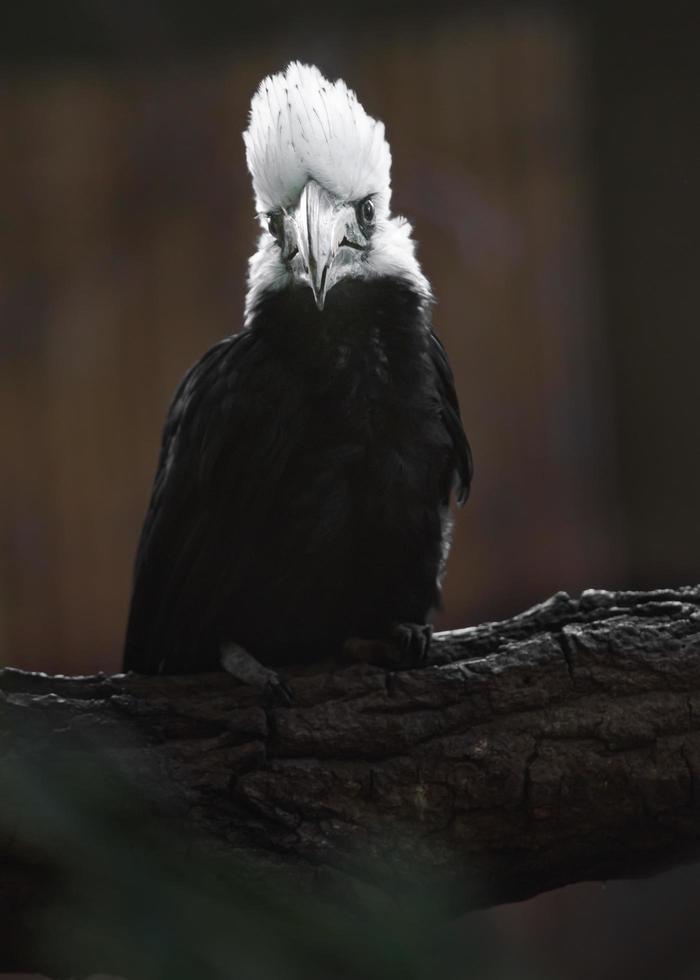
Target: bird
301,507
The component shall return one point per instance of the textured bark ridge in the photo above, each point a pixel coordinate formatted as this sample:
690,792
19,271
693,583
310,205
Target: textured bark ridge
560,745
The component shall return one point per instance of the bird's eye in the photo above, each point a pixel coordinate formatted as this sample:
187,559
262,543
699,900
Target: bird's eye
365,215
275,225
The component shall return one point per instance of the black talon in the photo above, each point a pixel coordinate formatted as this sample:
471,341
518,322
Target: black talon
406,646
413,643
242,665
279,692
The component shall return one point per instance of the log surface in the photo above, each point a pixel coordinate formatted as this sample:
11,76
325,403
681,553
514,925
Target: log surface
560,745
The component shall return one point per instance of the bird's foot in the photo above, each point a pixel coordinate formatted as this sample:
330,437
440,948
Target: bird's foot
413,643
244,667
406,647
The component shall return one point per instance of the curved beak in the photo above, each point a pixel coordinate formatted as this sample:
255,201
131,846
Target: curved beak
320,228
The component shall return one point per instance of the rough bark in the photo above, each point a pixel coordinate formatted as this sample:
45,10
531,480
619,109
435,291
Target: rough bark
560,745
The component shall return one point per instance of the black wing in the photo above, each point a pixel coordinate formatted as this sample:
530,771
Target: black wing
452,418
202,500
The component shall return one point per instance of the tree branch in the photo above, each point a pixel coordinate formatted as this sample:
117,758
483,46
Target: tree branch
560,745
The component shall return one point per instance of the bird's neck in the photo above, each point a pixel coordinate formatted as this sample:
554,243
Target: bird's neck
383,314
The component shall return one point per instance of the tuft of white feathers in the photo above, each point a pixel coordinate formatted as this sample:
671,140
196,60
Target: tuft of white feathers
302,126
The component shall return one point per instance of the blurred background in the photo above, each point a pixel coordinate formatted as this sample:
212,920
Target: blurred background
548,155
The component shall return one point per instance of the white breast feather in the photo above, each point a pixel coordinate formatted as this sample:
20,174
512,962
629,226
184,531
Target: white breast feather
303,126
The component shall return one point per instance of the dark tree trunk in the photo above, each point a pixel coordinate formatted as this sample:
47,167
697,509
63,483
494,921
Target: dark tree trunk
560,745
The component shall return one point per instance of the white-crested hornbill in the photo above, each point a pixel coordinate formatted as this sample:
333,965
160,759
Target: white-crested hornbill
301,505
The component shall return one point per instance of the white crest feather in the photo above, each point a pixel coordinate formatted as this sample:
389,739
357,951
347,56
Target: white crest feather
303,126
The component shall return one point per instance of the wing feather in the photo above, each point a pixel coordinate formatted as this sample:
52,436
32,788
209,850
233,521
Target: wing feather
452,418
178,556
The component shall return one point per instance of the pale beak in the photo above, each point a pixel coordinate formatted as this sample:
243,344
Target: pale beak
320,228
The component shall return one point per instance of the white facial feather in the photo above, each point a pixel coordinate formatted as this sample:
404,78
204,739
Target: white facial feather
303,126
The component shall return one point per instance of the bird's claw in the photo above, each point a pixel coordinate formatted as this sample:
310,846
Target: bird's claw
412,641
407,646
242,665
277,690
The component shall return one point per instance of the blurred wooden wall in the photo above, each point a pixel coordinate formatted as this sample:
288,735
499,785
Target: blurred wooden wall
127,219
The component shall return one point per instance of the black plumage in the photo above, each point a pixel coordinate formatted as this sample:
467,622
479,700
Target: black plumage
302,493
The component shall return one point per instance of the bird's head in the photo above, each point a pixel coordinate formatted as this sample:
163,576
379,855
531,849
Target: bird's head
321,175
